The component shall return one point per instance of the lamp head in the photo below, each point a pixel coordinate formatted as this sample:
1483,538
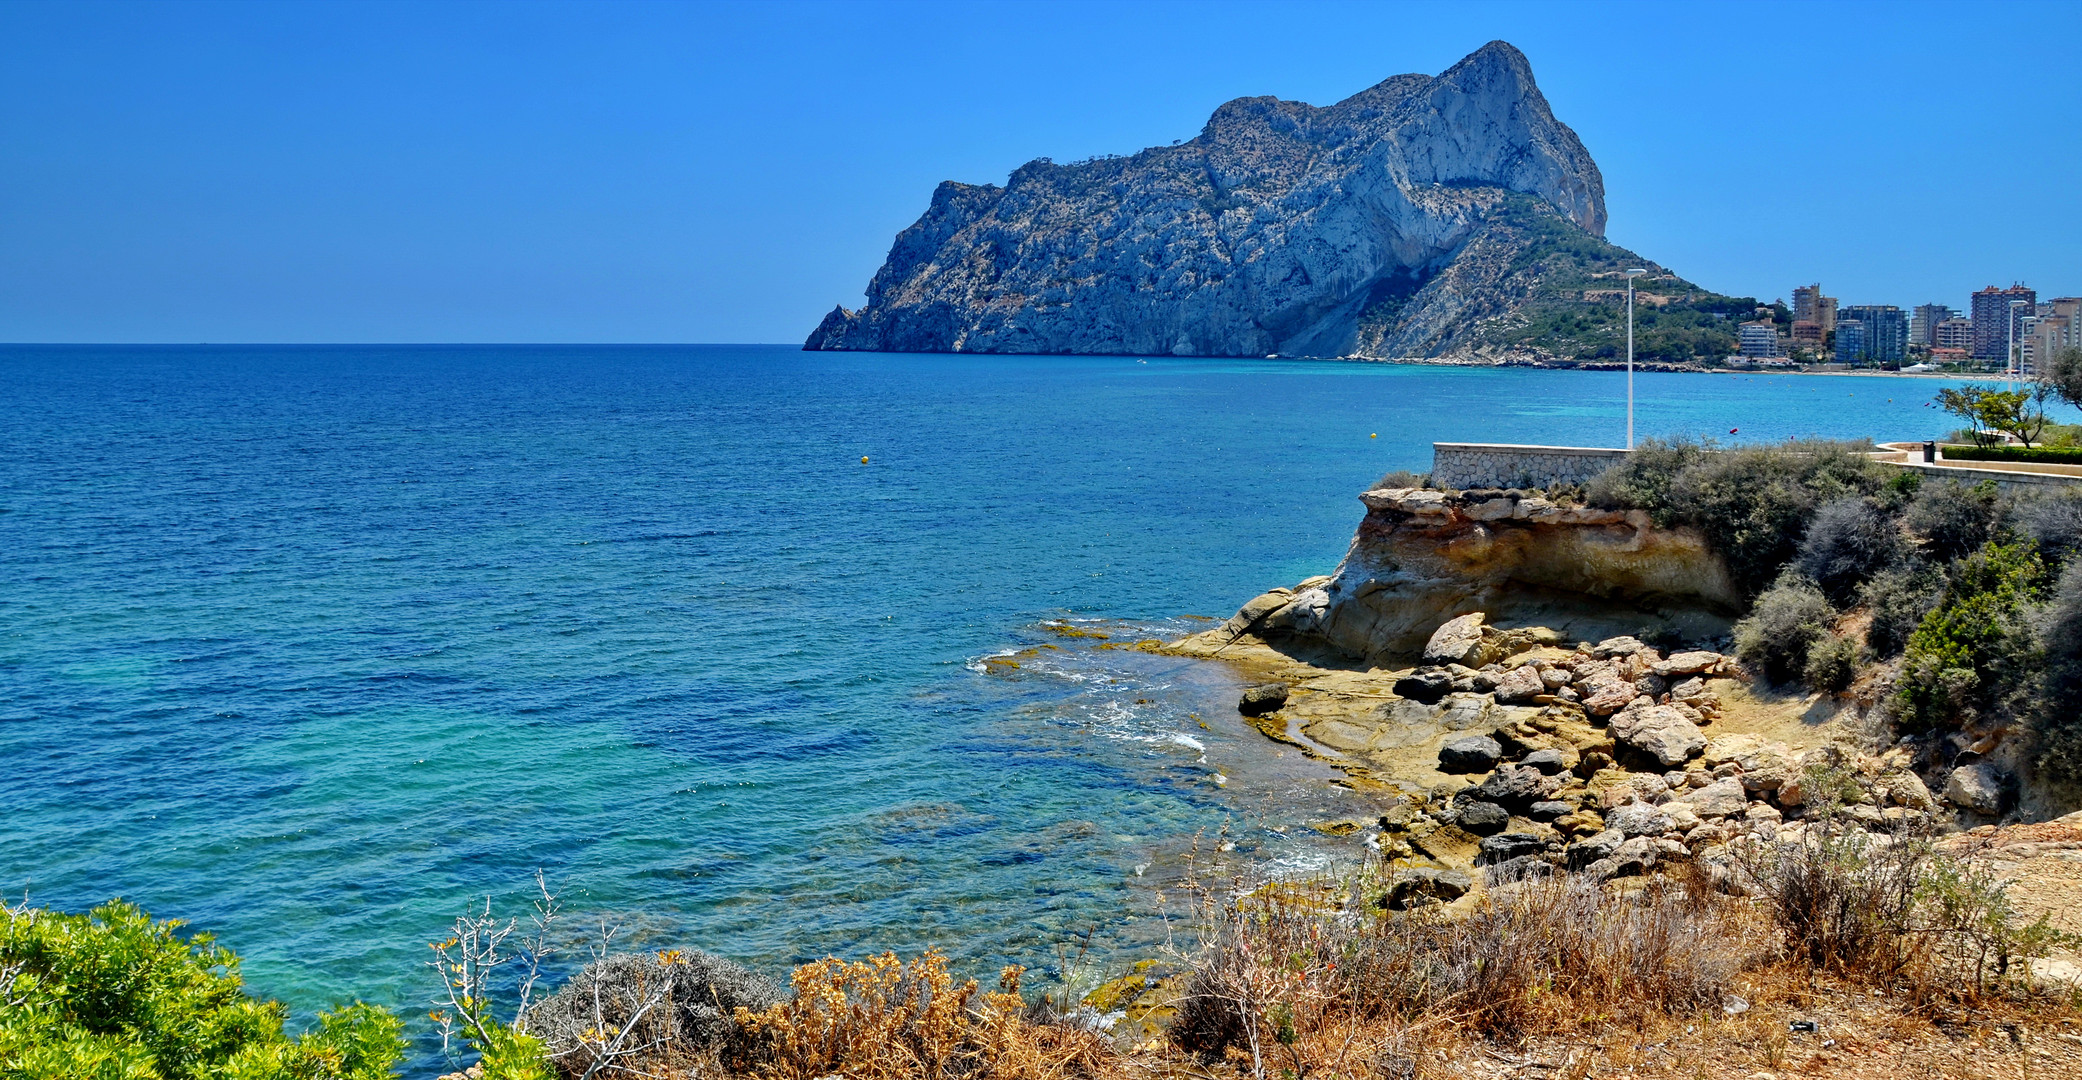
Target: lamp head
1636,273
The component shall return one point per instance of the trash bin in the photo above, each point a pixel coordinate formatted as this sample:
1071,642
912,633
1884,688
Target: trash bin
1930,452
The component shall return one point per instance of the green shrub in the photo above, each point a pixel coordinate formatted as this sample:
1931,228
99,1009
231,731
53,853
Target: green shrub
1753,504
113,994
1977,652
1953,519
2058,725
1402,478
1644,480
1898,599
2054,455
1783,625
1848,542
1832,664
2053,520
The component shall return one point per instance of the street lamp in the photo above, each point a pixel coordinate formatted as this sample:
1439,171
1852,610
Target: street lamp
1631,275
2010,360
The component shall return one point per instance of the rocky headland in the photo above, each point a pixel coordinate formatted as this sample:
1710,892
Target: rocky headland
1477,660
1425,217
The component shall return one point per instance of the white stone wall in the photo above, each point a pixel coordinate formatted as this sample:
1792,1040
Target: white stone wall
1502,465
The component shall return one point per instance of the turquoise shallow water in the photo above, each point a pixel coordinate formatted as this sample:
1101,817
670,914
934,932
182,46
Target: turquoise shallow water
311,645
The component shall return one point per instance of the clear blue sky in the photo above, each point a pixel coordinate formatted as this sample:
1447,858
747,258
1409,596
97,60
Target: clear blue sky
724,172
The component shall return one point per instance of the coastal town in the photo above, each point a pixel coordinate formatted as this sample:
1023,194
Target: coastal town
2000,329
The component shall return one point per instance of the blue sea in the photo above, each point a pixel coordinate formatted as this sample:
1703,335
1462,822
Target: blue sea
315,646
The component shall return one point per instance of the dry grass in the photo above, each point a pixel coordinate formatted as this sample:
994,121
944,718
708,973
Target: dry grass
882,1019
1291,988
1862,961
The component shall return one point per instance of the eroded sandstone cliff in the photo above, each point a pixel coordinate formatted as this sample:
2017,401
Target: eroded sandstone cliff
1282,228
1422,557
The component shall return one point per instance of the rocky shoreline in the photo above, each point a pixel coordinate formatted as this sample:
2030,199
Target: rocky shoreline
1501,749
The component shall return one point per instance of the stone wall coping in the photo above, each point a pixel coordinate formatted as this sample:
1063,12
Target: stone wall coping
1525,448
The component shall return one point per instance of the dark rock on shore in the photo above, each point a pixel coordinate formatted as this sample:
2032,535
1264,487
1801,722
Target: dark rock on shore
1474,754
1262,698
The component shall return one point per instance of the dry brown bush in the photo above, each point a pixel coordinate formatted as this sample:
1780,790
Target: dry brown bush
882,1019
1288,984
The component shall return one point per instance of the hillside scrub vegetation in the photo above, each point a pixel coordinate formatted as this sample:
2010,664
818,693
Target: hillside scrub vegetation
1957,584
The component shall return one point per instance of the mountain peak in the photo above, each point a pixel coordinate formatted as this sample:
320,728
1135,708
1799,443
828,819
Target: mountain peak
1274,230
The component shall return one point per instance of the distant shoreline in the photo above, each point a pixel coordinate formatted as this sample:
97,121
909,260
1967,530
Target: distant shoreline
1658,367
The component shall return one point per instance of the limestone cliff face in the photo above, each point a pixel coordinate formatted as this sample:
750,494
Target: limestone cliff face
1423,557
1282,228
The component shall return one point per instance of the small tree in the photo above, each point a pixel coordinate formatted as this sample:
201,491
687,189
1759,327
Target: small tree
2020,414
2063,373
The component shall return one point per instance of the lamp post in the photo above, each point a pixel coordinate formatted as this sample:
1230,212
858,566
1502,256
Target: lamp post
1631,275
2010,359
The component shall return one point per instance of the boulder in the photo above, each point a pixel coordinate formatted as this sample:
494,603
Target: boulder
1719,799
1484,818
1514,786
1474,754
1641,851
1682,818
1658,731
1549,810
1606,693
1902,789
1462,711
1548,761
1979,787
1579,823
1638,819
1459,641
1504,847
1425,686
1687,663
1255,609
1616,646
1262,698
1590,849
1520,684
1422,885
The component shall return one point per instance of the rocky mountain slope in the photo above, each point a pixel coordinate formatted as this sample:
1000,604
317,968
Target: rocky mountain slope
1422,217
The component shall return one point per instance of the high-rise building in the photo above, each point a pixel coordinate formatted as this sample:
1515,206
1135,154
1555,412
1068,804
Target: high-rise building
1806,303
1884,335
1954,333
1809,305
2049,335
1850,341
1923,324
1995,321
1759,339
